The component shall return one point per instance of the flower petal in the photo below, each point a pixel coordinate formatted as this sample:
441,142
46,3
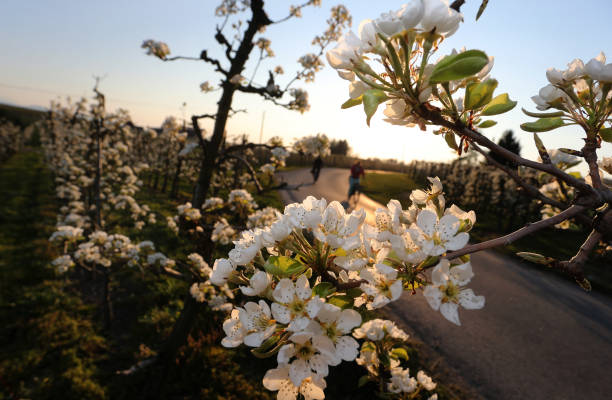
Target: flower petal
284,291
328,313
318,363
449,311
470,301
347,348
285,353
426,220
448,226
461,274
302,288
298,371
348,320
281,313
274,378
458,242
433,297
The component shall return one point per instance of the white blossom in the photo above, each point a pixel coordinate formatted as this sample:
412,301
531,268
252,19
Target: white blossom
295,304
446,292
278,380
382,285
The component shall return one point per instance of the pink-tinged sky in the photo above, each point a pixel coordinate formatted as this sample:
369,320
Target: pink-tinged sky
54,48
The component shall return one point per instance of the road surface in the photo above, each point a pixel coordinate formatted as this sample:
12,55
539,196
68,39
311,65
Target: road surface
538,337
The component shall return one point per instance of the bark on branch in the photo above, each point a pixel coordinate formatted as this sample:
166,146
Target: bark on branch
524,231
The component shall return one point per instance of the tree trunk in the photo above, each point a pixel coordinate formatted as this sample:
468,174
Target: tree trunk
209,161
108,305
98,216
175,181
156,181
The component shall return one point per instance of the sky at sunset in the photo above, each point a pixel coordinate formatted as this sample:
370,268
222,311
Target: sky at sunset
51,49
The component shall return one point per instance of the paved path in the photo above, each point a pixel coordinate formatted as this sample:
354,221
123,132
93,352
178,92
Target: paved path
538,337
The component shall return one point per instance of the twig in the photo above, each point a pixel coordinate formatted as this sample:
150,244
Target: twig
589,244
292,15
530,189
590,156
249,167
524,231
596,196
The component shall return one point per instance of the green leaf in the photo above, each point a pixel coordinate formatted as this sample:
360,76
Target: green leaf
324,289
368,346
371,99
398,353
283,266
479,94
352,102
363,381
459,66
606,134
342,301
499,105
576,174
543,125
481,9
487,124
535,258
451,141
571,152
543,115
270,347
584,284
540,146
354,292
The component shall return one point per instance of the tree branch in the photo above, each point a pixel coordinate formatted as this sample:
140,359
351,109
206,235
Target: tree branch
530,189
524,231
245,146
298,8
219,68
249,167
595,197
589,244
222,40
182,58
590,156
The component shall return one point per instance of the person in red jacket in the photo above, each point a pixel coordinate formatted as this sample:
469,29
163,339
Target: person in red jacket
357,172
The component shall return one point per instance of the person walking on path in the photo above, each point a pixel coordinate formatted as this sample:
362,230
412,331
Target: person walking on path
316,168
357,172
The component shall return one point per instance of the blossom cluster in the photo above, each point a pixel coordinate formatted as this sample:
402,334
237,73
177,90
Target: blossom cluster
217,298
581,94
104,250
315,270
12,138
155,48
315,145
390,61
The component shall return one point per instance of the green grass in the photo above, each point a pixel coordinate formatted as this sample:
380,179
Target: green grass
48,344
383,187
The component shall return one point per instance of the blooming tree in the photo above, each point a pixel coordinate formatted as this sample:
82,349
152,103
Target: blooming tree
247,37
